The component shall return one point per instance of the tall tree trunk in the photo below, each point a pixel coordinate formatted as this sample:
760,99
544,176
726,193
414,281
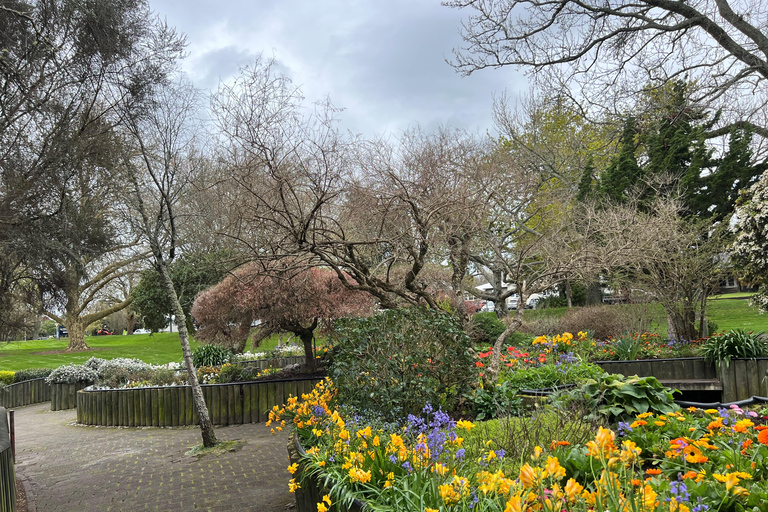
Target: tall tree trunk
131,322
568,293
206,427
459,260
76,331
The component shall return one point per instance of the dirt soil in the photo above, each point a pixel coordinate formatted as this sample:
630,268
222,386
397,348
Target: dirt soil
21,497
65,351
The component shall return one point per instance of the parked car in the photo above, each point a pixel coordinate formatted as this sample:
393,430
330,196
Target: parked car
142,331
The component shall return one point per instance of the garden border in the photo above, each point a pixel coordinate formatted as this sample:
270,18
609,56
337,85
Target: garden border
27,392
310,492
7,473
172,406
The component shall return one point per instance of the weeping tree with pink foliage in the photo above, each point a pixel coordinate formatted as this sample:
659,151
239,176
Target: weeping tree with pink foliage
281,298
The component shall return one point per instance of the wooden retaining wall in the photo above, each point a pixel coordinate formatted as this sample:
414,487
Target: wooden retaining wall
228,404
23,393
7,474
691,368
64,396
743,378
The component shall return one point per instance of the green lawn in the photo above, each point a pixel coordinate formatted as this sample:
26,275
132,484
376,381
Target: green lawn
158,348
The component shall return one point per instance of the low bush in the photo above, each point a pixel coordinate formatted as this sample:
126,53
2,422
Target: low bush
494,401
117,377
567,371
73,374
485,328
605,321
398,361
737,343
230,373
7,377
211,355
32,373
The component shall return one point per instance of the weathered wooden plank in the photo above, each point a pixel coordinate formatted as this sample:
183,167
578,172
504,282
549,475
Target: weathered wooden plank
231,397
174,406
190,405
168,407
160,407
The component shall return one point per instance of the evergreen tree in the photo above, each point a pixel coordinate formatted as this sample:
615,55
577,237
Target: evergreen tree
623,173
587,178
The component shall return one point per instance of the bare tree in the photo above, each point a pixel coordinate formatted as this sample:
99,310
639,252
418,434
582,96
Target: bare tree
601,53
160,169
374,212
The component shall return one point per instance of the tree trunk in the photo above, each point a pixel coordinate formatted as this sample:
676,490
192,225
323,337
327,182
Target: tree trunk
76,331
206,427
492,373
306,336
568,293
131,322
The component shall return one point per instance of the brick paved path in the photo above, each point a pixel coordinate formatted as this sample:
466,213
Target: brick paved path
83,469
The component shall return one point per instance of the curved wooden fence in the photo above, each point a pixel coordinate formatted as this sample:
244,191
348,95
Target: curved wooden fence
228,404
7,474
23,393
64,396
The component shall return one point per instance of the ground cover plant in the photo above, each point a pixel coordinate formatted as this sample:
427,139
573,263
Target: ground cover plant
684,461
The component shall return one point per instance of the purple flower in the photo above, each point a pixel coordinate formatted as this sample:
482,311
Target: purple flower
459,454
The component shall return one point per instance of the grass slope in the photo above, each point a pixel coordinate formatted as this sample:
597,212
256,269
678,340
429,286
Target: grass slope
159,348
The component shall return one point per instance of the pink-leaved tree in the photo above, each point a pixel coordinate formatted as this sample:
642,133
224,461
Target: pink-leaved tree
282,300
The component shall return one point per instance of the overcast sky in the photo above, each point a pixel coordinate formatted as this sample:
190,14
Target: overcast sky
382,61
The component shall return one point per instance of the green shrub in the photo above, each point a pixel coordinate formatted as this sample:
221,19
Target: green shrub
32,373
117,377
551,375
737,343
494,401
249,373
211,355
398,361
485,328
230,373
7,377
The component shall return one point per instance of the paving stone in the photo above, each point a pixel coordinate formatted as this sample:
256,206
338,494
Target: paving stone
76,468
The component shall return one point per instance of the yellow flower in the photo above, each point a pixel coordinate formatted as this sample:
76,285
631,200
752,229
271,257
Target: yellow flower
321,507
553,468
514,504
431,510
466,425
572,490
536,452
292,468
528,476
293,485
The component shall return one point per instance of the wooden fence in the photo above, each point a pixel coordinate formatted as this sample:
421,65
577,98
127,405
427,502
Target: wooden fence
7,474
23,393
64,396
172,406
739,380
743,378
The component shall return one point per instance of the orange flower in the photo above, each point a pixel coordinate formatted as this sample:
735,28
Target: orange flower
762,437
653,471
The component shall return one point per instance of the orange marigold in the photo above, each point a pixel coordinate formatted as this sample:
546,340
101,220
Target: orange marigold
762,437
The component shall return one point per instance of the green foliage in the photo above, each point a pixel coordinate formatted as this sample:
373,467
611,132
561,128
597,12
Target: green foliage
623,174
485,328
617,397
7,377
190,274
230,373
551,375
32,373
627,347
494,401
736,343
48,328
211,355
398,361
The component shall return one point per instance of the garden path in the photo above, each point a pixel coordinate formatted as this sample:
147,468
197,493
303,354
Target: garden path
72,468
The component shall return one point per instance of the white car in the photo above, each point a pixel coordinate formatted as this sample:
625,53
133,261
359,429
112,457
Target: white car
142,331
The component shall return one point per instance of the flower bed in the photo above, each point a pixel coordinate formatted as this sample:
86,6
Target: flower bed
686,461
